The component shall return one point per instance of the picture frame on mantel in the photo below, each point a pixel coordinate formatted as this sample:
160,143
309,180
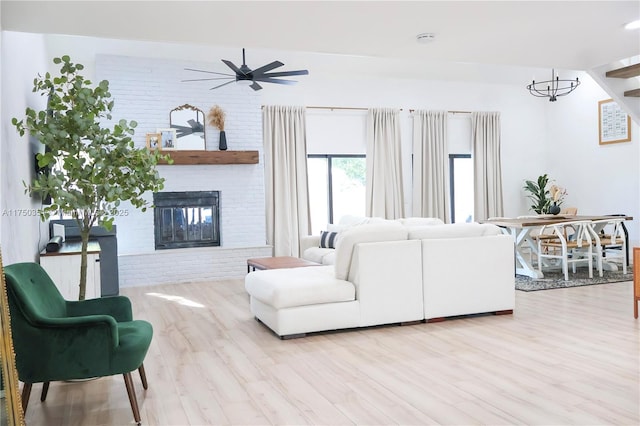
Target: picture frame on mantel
167,139
614,125
153,141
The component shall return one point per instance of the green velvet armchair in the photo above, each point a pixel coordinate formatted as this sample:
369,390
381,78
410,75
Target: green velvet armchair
55,339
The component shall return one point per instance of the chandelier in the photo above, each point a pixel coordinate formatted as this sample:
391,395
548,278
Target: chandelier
552,88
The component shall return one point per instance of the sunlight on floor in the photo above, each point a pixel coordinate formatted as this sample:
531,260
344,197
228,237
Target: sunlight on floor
178,299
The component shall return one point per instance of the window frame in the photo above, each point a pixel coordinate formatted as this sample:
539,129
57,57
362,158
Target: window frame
329,157
452,199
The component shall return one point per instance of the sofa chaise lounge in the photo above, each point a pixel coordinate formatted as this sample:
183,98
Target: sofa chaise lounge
389,272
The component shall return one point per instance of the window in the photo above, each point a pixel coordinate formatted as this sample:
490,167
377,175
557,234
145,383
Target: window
461,187
336,188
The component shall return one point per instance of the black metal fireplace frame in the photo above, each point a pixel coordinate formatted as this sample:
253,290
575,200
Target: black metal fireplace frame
188,199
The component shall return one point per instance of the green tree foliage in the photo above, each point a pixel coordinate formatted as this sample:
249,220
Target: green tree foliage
354,168
94,167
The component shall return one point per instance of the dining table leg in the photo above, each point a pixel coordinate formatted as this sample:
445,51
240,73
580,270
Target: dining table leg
524,247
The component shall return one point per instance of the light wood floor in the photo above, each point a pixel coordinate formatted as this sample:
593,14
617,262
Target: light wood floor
566,356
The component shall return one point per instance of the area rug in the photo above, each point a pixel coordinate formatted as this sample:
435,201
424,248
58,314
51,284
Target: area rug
555,279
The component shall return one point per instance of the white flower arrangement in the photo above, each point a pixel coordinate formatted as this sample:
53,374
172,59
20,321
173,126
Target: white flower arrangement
557,194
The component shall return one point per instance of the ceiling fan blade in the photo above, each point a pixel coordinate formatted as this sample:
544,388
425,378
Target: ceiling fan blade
268,67
209,72
196,126
255,86
182,131
286,73
209,79
233,67
223,84
275,80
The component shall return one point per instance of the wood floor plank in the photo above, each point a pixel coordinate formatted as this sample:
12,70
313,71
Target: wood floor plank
565,356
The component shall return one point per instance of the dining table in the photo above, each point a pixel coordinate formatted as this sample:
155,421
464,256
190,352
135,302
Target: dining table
521,228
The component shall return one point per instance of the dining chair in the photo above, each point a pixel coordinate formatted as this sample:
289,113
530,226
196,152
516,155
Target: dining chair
612,240
56,339
626,237
581,245
569,211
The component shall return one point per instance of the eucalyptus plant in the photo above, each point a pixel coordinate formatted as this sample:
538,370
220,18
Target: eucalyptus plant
539,194
93,168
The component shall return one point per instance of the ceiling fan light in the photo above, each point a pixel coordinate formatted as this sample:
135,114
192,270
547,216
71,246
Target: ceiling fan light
244,82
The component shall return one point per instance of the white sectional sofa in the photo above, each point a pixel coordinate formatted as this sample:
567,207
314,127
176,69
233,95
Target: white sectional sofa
467,268
310,245
390,272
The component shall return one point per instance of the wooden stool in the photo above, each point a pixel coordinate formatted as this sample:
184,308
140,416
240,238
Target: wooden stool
636,280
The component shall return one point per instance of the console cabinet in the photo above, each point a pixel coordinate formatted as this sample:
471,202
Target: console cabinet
63,267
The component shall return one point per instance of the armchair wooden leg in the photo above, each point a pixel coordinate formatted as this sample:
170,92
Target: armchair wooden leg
143,377
45,390
132,397
26,392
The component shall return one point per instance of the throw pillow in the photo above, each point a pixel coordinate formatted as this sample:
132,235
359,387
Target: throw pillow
328,239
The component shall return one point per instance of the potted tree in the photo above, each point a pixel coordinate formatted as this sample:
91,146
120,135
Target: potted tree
93,168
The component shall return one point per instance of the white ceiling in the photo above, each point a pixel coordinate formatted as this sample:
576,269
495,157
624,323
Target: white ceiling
570,35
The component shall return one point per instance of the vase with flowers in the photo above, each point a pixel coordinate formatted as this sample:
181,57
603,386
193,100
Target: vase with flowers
557,196
544,200
216,119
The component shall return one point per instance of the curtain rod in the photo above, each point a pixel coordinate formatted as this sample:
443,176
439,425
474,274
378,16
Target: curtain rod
337,107
366,109
450,112
332,108
344,108
341,108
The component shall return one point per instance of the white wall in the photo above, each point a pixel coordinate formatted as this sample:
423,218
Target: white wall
146,90
600,179
23,234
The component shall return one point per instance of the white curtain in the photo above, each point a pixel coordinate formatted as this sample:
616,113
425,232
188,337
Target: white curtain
287,192
385,197
485,127
430,165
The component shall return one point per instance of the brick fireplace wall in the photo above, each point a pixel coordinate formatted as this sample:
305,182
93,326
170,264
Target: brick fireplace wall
146,90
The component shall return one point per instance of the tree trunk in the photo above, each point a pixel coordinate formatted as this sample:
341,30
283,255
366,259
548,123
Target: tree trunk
84,233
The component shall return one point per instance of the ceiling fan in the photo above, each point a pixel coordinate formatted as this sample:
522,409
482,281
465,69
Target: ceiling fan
246,74
194,127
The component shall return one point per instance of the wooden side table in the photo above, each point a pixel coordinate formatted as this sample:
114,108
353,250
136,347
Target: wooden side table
636,280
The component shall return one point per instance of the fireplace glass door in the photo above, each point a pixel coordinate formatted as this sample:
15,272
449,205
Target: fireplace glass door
187,219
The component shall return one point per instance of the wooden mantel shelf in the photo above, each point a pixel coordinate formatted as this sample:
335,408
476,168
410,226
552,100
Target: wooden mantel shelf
212,157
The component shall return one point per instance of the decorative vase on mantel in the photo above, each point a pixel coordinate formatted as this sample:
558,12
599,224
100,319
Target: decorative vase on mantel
554,208
222,146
